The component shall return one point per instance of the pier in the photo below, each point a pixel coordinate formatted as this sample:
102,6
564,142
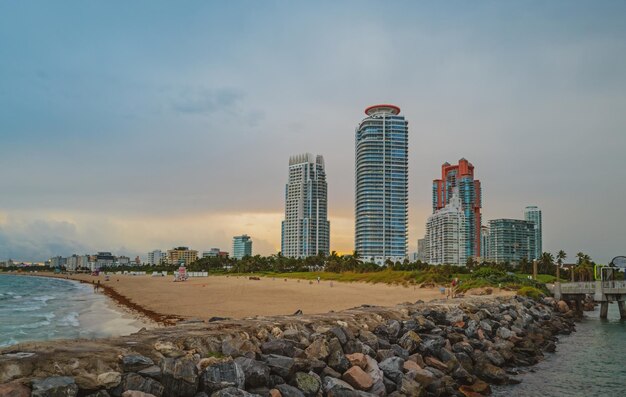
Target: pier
603,292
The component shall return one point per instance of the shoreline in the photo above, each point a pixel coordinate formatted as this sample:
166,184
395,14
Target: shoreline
165,302
456,346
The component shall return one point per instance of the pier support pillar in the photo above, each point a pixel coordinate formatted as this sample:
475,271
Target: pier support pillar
622,309
604,309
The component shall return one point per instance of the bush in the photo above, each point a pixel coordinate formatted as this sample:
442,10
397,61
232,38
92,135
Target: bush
530,292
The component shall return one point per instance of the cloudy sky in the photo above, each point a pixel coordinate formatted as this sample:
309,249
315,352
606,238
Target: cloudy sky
130,126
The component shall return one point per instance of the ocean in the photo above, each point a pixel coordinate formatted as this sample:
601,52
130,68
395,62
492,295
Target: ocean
589,362
41,308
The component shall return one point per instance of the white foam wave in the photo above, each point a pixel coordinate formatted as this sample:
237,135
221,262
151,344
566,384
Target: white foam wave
70,320
44,298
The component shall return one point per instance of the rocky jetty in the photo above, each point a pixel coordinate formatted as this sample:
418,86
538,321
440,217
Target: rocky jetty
445,348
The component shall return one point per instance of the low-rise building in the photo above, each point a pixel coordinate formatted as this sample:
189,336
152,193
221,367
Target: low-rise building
181,256
156,257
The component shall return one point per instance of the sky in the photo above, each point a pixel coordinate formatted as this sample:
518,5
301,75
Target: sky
133,126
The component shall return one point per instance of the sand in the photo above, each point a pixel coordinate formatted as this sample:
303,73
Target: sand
160,298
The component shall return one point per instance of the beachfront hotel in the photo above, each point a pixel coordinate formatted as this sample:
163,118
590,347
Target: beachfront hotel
460,177
532,213
242,246
306,230
446,234
381,182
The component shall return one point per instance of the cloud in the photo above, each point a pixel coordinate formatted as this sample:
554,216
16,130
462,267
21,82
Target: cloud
203,101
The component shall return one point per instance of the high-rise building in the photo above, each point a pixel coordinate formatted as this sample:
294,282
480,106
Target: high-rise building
382,179
532,213
446,233
242,246
461,177
511,240
306,230
181,256
156,257
484,242
422,250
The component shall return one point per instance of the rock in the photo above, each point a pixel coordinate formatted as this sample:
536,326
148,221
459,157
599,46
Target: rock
208,361
504,333
179,377
257,374
318,349
306,383
392,368
433,362
423,376
333,385
135,362
418,359
109,380
495,358
168,349
289,391
410,341
221,376
99,393
338,332
132,381
275,393
410,366
14,389
153,372
357,378
329,372
478,389
337,360
493,374
136,393
239,346
409,387
357,359
232,392
281,365
280,347
54,386
368,338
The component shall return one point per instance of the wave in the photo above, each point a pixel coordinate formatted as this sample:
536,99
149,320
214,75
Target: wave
70,320
44,298
9,342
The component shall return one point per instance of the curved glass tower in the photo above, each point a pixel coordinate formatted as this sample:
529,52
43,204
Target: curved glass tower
382,179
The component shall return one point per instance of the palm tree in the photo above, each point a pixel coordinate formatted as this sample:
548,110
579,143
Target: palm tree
559,261
547,261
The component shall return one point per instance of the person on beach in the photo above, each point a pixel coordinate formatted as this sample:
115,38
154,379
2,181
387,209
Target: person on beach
318,279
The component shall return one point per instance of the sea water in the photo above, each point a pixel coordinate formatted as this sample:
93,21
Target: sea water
589,362
40,308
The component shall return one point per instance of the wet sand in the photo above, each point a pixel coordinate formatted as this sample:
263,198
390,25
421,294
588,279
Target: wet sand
165,301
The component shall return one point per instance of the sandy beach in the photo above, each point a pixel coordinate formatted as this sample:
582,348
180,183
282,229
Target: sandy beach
236,297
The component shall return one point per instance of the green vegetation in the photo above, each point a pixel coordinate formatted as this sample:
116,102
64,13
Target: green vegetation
530,292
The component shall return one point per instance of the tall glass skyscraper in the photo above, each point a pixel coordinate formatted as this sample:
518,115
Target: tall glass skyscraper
532,213
511,240
306,230
461,177
382,179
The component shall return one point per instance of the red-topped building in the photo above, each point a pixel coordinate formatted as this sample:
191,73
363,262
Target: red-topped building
460,177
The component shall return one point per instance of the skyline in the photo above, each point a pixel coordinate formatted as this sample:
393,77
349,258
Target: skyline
146,126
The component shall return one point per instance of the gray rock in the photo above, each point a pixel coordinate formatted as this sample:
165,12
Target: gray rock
239,346
289,391
281,365
337,359
338,332
179,377
306,383
495,358
135,362
280,347
153,372
392,368
232,392
54,386
257,374
335,385
369,339
132,381
100,393
222,375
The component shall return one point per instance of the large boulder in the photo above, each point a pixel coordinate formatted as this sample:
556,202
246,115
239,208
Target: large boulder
308,384
257,374
179,377
280,347
392,368
135,362
337,360
289,391
54,386
410,341
14,389
239,345
318,349
357,378
137,382
222,375
109,380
